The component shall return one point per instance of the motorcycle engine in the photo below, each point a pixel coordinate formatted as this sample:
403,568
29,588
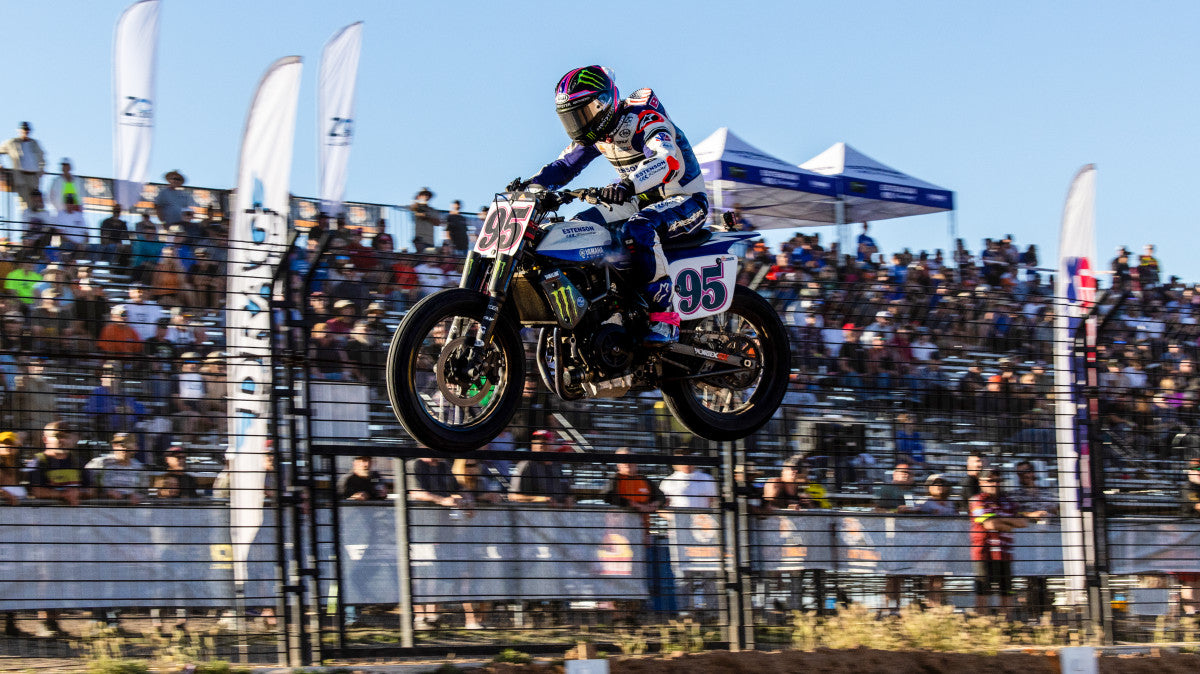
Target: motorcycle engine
612,348
610,352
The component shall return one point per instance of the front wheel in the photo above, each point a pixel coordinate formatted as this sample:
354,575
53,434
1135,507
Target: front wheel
449,394
721,402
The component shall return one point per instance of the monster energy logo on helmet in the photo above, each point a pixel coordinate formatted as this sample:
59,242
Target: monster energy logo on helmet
590,78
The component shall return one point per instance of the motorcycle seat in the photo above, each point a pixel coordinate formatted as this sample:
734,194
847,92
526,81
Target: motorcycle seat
689,241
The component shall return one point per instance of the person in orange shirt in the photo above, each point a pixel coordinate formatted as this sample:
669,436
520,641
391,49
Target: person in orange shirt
627,489
117,336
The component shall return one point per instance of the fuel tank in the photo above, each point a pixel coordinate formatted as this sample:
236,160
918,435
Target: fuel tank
576,241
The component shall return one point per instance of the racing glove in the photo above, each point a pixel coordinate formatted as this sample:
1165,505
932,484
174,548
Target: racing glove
617,193
517,185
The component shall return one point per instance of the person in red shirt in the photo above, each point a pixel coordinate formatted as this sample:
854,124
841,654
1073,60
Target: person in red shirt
403,288
993,517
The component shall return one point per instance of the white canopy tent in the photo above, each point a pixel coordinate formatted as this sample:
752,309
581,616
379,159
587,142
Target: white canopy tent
871,190
770,191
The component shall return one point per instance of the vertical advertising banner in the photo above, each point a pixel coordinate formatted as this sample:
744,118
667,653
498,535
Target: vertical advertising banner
1075,289
135,44
338,74
257,238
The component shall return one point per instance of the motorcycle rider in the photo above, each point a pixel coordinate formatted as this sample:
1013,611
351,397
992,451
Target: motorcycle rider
656,165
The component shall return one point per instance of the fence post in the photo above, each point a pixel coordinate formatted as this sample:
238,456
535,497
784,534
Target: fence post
733,559
403,553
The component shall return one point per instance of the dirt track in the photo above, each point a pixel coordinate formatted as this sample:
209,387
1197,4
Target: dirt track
868,661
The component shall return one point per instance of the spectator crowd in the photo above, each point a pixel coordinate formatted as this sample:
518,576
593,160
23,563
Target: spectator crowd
113,368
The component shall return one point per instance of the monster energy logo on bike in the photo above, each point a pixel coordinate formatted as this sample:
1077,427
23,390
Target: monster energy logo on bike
589,78
566,304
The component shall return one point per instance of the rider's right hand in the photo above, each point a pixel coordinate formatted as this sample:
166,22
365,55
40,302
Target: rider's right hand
517,185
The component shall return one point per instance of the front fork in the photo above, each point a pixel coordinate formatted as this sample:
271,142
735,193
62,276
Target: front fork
498,277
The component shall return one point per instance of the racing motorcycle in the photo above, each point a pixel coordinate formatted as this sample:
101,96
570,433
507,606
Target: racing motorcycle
456,364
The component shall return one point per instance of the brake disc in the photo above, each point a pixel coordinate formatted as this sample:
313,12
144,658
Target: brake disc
459,388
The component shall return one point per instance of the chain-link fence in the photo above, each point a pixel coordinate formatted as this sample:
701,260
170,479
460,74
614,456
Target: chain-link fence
914,463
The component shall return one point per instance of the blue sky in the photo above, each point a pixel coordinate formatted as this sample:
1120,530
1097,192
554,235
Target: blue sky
1001,102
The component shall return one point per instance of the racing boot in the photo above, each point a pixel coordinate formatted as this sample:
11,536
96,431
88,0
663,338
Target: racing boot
664,321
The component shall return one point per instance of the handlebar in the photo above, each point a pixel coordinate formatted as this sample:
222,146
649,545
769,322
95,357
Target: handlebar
549,200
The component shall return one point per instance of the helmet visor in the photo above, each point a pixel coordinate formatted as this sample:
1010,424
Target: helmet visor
580,121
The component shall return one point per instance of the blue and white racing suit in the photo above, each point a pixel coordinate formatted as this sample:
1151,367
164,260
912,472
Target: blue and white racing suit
648,150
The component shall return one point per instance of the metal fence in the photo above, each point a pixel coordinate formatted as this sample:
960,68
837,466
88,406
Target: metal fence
911,378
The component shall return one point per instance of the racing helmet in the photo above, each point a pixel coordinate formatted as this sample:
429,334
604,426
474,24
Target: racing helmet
586,101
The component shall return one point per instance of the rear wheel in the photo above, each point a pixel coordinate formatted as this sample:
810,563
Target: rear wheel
449,394
723,402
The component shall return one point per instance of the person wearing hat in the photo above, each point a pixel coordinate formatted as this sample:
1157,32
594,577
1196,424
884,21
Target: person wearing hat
109,409
688,486
882,327
350,287
34,402
58,473
11,491
852,359
456,228
118,475
207,279
114,238
382,256
792,490
64,184
49,320
21,281
542,481
431,275
865,247
425,218
171,201
993,518
118,337
36,222
176,482
145,249
343,318
70,225
141,312
938,501
28,162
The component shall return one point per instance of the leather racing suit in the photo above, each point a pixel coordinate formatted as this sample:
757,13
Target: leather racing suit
652,154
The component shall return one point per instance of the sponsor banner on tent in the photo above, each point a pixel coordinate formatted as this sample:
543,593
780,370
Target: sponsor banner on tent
769,177
134,49
909,194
